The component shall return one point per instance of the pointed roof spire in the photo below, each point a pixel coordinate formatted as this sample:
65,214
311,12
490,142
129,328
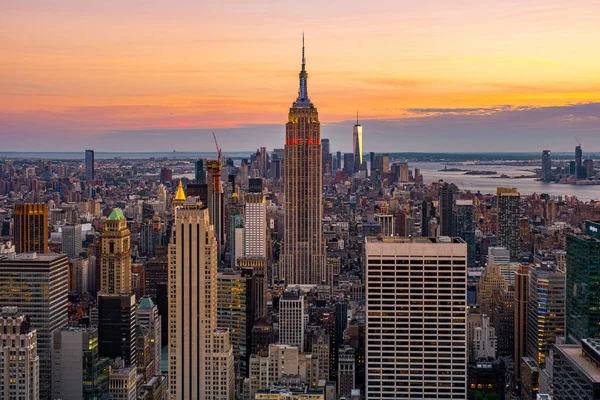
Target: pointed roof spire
180,196
303,59
357,118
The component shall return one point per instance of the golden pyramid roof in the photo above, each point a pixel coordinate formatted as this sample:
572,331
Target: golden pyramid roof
180,193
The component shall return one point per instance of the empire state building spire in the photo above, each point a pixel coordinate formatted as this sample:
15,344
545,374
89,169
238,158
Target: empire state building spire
303,89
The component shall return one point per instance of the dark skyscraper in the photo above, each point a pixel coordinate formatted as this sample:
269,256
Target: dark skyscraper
465,228
31,227
200,171
116,326
446,204
579,168
349,164
326,156
303,253
89,165
338,160
546,165
509,216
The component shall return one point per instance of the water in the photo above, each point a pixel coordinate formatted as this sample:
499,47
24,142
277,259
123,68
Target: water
487,184
430,171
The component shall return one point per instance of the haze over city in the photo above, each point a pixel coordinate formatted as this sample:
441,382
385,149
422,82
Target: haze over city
424,76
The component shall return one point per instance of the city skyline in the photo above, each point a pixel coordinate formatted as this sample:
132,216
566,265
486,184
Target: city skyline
418,74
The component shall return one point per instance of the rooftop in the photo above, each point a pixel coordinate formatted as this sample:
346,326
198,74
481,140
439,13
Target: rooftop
575,356
116,214
146,302
414,239
40,257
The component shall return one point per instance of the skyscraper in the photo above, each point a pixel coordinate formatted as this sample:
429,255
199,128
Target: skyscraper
38,285
78,372
200,171
148,317
326,156
89,165
416,296
255,240
116,327
521,304
579,162
200,355
291,319
71,240
215,202
446,202
545,311
583,270
31,227
303,253
357,145
19,361
509,216
546,165
465,228
115,262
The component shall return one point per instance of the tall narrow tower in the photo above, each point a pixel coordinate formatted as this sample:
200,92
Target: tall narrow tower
303,253
115,264
200,354
357,145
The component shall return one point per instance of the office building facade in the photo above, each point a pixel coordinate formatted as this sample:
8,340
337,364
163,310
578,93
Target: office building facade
31,227
115,260
416,329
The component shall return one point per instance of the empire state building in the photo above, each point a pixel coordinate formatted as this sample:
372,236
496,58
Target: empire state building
303,257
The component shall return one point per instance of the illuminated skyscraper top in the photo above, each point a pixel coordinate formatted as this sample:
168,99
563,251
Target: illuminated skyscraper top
303,89
357,145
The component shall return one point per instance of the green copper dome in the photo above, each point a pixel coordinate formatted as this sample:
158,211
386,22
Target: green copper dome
116,214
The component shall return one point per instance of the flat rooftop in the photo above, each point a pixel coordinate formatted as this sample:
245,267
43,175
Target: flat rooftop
40,257
413,239
574,354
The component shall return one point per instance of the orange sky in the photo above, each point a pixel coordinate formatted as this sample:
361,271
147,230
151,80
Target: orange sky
113,66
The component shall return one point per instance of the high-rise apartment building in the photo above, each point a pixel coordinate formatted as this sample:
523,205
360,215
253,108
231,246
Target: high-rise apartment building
71,240
19,361
255,233
521,306
38,285
357,144
579,169
545,311
509,215
291,319
303,251
89,165
200,355
115,261
78,372
546,165
583,270
416,329
31,227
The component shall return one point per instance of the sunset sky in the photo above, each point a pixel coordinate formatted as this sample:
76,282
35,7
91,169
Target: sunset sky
425,75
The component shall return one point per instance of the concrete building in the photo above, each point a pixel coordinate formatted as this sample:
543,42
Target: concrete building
416,330
482,340
520,322
31,227
38,285
78,372
200,355
491,284
149,318
291,319
115,260
346,371
19,361
303,255
387,224
576,374
123,383
255,234
71,240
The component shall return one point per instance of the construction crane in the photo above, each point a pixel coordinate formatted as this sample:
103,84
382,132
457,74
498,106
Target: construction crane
218,148
578,142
